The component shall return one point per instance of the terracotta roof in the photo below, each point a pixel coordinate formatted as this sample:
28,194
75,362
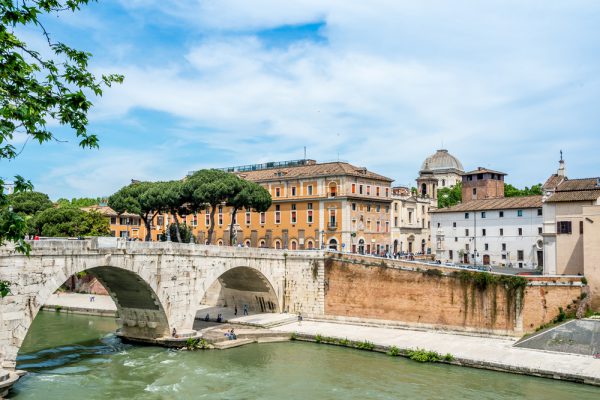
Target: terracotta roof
308,171
107,211
552,182
587,189
481,170
504,203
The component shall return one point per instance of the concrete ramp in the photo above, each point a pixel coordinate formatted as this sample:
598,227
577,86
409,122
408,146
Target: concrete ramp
574,337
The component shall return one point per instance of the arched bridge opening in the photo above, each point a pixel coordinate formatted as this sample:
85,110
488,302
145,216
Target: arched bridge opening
242,288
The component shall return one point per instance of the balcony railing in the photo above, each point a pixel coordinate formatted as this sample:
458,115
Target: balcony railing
332,225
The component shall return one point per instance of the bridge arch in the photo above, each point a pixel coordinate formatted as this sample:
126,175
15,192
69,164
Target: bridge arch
239,286
140,311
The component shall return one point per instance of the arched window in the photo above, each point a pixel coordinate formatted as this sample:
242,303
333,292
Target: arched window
309,244
277,244
332,189
333,244
247,243
293,245
262,244
443,182
423,189
361,246
220,242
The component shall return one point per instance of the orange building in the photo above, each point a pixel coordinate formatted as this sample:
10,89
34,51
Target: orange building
334,205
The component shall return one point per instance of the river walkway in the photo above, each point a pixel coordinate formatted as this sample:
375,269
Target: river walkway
488,352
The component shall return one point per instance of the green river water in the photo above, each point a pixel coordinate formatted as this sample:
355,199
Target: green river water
78,357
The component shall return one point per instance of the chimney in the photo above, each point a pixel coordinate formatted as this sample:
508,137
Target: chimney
561,168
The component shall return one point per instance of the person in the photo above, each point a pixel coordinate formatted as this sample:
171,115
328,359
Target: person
232,335
245,309
235,310
174,333
207,317
219,318
299,318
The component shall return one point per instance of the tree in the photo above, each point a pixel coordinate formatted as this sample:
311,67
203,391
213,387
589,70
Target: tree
70,222
185,233
140,198
78,202
448,197
249,195
210,187
174,202
511,191
35,89
29,202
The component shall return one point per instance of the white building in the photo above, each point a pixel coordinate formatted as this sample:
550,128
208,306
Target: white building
498,232
488,228
410,232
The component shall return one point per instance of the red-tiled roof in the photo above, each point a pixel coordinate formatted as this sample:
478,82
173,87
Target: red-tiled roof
481,170
504,203
552,182
107,211
587,189
309,171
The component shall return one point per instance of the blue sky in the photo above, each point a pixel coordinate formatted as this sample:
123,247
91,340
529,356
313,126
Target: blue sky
381,84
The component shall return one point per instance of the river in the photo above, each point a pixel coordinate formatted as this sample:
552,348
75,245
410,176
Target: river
78,357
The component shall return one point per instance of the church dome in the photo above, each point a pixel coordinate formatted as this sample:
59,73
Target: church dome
441,160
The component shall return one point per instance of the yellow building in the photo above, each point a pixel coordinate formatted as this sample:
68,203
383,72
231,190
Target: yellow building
334,205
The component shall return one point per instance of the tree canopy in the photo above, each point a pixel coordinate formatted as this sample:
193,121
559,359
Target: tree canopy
36,89
78,202
29,202
248,195
141,198
70,222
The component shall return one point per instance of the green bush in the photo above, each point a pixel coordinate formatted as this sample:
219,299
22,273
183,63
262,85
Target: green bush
584,280
318,338
448,357
57,308
196,344
394,351
294,336
423,356
366,345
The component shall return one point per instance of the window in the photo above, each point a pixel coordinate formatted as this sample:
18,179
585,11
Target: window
456,239
563,227
581,227
483,232
277,191
504,256
466,232
207,218
248,217
395,222
277,214
410,215
378,226
332,222
309,245
387,209
520,231
354,224
353,188
467,247
501,214
353,206
387,226
387,192
450,254
113,220
195,220
539,212
466,215
454,224
539,230
519,213
369,225
360,189
368,190
309,213
263,218
486,247
309,190
439,225
160,221
503,246
501,231
368,208
377,191
293,214
474,191
293,190
220,219
378,208
483,214
395,206
520,255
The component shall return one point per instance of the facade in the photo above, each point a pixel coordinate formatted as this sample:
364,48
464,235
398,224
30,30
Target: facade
439,170
488,228
410,222
315,205
125,225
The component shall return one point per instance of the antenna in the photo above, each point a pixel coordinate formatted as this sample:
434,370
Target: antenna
561,156
305,152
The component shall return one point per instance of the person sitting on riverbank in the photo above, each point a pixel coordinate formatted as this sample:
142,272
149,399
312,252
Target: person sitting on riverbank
175,333
220,318
231,335
207,318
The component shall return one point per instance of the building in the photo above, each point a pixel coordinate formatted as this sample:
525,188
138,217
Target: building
125,225
410,231
488,228
439,170
335,205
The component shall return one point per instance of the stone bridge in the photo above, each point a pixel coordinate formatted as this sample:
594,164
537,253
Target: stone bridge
157,287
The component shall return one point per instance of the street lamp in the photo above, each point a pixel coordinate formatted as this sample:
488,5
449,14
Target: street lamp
322,239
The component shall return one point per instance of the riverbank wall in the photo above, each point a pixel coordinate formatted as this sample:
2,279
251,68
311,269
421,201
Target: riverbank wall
435,297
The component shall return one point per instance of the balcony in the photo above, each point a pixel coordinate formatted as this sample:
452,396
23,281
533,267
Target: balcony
332,225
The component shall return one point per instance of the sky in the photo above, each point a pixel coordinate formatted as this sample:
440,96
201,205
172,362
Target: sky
381,84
